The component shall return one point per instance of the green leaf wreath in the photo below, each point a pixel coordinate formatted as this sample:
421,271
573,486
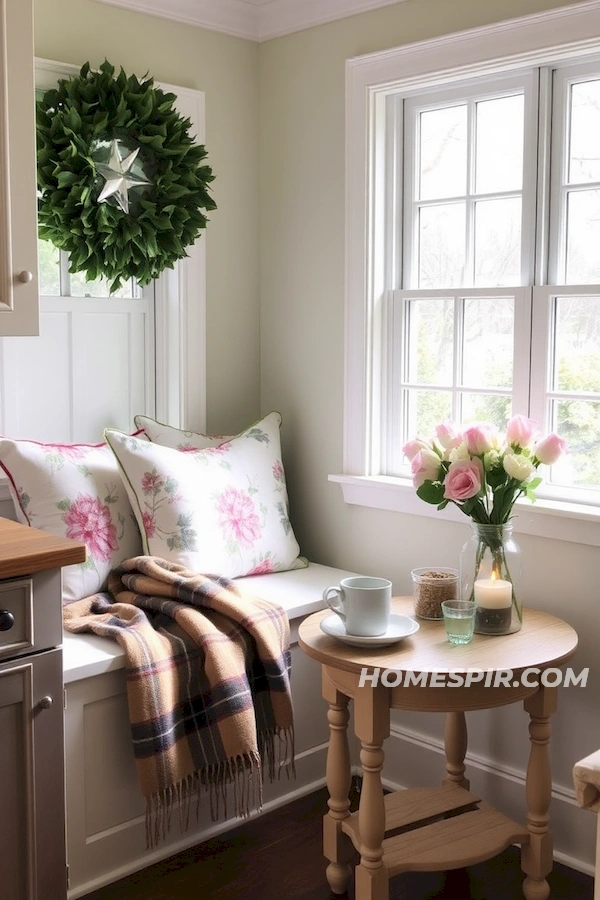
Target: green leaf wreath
141,221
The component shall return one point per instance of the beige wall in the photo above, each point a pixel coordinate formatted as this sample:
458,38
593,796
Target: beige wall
226,69
302,344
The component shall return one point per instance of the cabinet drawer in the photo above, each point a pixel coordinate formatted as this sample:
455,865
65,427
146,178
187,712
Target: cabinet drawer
16,617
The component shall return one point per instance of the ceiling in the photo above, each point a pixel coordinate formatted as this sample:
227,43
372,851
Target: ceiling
257,20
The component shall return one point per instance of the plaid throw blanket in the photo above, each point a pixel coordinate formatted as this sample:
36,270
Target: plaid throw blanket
208,688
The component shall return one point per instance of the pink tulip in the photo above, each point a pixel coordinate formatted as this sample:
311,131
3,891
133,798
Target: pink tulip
463,480
425,466
411,448
549,449
480,438
521,431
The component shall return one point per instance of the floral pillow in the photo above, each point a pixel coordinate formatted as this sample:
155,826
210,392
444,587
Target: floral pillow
75,491
222,510
176,438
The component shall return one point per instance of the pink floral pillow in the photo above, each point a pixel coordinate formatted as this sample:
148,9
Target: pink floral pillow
75,491
222,510
177,438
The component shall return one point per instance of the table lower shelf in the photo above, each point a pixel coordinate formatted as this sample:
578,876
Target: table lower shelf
439,828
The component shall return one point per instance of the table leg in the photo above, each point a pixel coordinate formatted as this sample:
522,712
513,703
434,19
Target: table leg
536,857
337,846
372,726
455,740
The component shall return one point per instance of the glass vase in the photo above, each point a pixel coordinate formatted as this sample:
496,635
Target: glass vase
490,574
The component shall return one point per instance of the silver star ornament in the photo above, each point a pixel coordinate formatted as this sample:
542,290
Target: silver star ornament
118,177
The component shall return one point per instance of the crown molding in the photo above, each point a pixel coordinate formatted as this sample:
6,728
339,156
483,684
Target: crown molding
281,17
234,17
255,20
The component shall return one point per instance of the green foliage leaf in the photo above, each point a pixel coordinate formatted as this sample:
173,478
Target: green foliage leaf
431,492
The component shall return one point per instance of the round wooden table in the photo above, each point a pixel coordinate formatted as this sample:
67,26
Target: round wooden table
447,827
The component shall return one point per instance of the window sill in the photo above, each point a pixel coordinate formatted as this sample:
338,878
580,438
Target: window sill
546,518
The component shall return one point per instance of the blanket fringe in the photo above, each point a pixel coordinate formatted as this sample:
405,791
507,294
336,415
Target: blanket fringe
276,750
242,773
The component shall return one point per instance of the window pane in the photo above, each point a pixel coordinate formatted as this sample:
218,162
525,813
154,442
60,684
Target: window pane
442,246
443,153
98,288
49,269
493,408
499,147
498,242
487,359
578,422
584,158
583,237
577,344
430,340
425,410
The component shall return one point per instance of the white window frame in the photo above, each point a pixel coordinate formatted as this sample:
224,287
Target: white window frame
542,39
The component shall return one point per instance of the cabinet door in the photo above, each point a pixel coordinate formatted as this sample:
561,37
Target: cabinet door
32,818
19,291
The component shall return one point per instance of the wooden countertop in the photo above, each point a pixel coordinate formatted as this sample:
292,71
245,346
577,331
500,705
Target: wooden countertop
25,550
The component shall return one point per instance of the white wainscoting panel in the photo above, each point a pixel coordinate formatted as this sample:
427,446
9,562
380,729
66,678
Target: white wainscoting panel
107,748
87,370
34,403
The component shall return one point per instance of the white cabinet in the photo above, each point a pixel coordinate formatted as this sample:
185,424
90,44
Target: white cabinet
19,294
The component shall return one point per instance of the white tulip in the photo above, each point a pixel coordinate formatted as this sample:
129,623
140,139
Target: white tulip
518,466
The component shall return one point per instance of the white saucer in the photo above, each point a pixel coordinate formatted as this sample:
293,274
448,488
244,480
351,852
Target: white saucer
399,627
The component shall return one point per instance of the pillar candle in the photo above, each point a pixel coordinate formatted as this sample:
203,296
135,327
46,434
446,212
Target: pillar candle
493,593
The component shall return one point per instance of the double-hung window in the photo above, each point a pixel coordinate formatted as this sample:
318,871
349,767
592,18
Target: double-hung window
473,267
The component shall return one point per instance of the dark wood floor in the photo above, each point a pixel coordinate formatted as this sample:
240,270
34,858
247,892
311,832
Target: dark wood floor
278,856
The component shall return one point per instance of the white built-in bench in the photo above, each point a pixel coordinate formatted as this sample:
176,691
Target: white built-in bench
105,809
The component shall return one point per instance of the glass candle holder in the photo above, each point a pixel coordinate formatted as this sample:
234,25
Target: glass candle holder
490,574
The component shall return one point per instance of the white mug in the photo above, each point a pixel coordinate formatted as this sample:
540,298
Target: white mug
363,604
